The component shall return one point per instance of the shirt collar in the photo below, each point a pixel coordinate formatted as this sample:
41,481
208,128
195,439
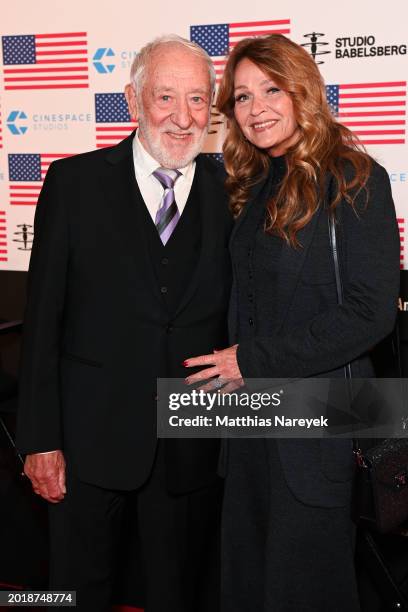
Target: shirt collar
146,164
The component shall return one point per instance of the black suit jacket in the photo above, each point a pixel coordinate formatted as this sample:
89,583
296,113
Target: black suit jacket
313,335
97,333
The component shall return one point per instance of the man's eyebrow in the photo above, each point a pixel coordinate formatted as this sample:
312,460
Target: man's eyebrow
173,89
163,88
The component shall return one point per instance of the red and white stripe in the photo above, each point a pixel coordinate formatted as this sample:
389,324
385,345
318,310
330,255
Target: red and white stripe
376,112
26,193
61,63
1,131
110,134
401,227
3,236
249,29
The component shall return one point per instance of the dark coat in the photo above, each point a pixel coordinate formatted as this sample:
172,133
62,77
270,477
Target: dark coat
97,333
313,335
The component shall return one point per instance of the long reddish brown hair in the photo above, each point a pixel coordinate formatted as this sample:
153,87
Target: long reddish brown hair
324,144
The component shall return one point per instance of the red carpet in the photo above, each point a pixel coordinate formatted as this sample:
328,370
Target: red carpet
126,609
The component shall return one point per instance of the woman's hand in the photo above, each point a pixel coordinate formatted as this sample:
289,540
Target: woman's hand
224,370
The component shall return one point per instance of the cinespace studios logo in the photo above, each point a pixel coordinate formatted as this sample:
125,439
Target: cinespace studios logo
316,46
55,121
18,122
398,176
351,47
105,59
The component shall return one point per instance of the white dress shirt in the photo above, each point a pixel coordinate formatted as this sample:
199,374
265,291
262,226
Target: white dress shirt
150,188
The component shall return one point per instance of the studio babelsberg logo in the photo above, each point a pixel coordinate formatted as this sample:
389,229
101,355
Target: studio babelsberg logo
24,237
217,120
365,46
315,46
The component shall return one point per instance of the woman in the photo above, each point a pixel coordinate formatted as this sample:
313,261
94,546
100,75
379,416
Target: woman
287,534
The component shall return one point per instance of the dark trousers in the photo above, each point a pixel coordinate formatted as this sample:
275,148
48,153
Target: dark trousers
278,554
178,536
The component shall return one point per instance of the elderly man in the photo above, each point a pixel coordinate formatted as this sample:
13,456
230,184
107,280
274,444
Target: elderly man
129,274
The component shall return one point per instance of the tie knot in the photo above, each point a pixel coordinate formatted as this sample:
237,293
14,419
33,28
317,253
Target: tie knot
166,177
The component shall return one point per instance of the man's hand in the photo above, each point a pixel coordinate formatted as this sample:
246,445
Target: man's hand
47,474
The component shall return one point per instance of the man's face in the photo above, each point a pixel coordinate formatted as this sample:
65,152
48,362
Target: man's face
174,106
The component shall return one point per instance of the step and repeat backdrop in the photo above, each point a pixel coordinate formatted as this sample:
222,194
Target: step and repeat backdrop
64,67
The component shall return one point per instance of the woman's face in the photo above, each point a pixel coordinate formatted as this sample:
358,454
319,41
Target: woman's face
263,111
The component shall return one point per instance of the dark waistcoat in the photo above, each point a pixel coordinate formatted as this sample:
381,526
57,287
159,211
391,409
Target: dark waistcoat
175,262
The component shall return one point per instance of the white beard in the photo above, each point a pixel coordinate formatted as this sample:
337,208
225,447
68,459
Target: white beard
158,151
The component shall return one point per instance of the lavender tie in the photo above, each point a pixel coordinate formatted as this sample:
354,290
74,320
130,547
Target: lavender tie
168,214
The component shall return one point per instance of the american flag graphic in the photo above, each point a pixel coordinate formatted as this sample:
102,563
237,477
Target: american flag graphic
3,236
113,122
219,39
46,61
401,227
1,129
374,111
26,174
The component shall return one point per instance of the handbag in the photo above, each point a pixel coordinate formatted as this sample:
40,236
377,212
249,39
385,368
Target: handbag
380,493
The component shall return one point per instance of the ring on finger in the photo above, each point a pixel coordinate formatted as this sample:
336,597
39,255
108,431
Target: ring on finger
218,383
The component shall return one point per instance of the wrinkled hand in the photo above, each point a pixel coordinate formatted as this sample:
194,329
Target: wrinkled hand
224,370
47,475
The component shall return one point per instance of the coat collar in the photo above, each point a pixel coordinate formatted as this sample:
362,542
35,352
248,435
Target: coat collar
291,259
259,192
115,155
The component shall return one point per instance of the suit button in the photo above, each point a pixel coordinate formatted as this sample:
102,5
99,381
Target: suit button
169,328
249,252
163,289
251,321
165,261
251,297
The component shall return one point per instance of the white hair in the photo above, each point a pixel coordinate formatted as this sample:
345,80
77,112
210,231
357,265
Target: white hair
141,61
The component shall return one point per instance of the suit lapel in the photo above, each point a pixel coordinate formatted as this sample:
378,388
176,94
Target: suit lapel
124,197
291,264
208,199
290,267
260,190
